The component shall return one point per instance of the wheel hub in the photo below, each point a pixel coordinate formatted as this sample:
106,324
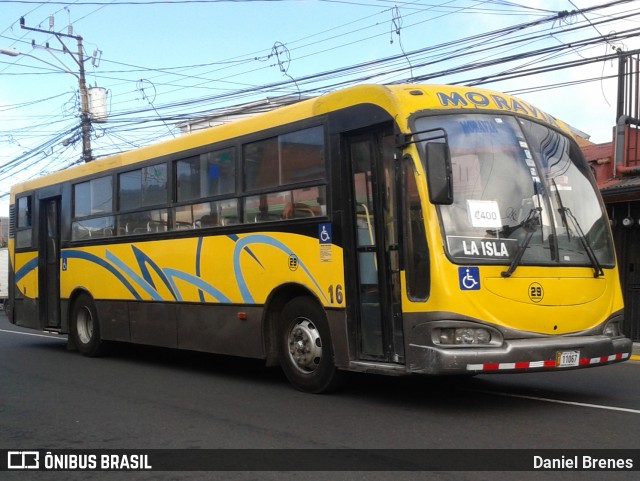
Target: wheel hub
305,346
85,325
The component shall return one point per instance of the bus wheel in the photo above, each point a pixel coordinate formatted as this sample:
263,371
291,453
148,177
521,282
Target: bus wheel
85,327
305,351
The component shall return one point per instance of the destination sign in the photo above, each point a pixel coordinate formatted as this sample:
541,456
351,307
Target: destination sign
481,247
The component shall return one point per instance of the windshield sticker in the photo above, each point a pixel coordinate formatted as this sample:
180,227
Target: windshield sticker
481,247
560,182
484,213
477,126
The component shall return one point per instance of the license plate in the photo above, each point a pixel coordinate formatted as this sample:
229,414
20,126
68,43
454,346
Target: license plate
567,358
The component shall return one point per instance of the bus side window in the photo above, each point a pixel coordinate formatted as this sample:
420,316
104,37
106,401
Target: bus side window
416,258
209,220
23,224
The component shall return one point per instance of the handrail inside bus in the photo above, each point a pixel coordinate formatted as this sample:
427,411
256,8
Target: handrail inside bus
370,229
366,212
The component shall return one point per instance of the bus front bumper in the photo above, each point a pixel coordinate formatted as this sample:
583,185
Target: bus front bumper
519,355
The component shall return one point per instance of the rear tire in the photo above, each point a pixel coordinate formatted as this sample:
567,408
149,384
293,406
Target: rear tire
304,347
85,327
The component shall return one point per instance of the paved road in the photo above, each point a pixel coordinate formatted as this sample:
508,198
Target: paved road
156,398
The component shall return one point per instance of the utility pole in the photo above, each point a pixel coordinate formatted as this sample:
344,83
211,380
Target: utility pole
85,120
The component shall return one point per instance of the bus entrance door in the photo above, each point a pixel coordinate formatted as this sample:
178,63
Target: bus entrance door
49,263
377,303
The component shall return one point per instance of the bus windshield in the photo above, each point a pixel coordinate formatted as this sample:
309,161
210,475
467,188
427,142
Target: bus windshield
522,195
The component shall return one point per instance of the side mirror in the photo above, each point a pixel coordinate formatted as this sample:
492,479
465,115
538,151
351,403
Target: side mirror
439,173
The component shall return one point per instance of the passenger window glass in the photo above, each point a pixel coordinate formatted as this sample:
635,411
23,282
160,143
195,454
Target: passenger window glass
290,204
96,228
206,214
302,155
261,168
206,175
143,187
265,207
24,212
93,197
288,159
143,222
23,233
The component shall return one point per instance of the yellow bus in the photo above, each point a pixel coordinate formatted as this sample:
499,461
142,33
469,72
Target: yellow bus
401,229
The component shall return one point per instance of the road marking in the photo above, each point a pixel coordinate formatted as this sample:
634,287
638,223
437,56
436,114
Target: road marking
48,336
559,401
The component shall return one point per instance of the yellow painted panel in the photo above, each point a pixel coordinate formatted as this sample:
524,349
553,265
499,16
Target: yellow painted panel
568,304
237,269
548,291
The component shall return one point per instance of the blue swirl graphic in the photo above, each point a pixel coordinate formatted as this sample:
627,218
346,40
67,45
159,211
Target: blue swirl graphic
25,269
262,239
77,254
144,260
196,281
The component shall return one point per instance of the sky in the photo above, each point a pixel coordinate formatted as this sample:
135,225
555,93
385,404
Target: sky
162,62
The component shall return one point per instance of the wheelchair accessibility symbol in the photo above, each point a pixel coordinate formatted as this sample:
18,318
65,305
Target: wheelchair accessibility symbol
324,233
469,278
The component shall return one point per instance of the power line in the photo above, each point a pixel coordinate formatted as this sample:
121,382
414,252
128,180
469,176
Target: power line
143,121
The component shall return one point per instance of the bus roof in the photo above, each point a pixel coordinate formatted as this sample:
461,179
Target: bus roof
400,100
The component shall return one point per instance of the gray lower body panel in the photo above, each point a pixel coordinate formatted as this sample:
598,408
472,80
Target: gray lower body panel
197,327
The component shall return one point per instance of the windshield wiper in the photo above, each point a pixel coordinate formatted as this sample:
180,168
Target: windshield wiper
565,213
561,210
530,224
597,269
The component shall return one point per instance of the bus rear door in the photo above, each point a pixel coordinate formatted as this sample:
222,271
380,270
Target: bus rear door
49,263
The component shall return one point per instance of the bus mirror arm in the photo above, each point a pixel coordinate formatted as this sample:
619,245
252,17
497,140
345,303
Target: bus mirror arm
438,162
429,135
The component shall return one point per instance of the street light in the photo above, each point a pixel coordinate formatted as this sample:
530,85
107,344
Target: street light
85,122
9,51
15,53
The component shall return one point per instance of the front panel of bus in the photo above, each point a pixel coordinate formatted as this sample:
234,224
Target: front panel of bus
522,263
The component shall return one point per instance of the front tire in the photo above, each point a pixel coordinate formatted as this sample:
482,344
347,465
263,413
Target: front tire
305,349
85,327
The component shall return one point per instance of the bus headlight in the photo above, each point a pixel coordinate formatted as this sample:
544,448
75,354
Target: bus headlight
464,336
612,329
